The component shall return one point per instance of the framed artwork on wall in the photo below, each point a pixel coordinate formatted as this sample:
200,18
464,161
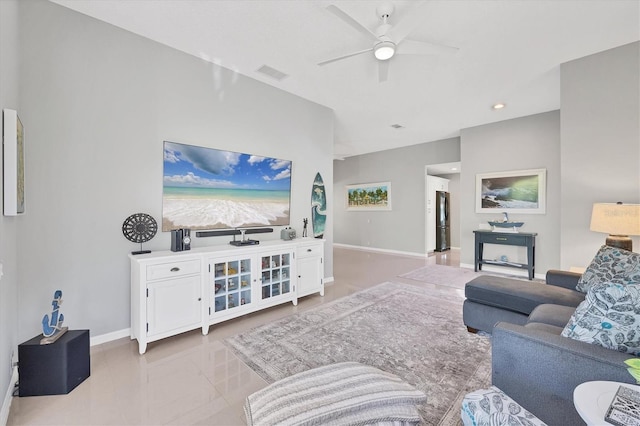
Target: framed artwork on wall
13,167
520,191
368,196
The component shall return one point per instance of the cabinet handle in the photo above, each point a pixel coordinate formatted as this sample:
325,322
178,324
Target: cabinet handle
199,299
309,250
175,269
299,276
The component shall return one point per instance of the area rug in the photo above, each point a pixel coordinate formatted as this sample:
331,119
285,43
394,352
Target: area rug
399,328
442,275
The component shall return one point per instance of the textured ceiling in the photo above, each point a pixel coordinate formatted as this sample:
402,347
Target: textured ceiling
509,51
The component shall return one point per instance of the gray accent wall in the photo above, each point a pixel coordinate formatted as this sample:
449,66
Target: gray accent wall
9,83
600,153
97,102
403,228
531,142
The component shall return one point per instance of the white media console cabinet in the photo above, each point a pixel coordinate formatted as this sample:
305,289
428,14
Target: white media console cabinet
176,292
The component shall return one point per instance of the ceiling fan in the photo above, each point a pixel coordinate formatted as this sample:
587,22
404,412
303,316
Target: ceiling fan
389,40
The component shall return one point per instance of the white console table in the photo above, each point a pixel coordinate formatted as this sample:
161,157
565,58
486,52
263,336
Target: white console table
174,292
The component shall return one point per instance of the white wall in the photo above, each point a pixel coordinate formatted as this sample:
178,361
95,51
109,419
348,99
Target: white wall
97,103
591,150
403,228
9,81
531,142
600,153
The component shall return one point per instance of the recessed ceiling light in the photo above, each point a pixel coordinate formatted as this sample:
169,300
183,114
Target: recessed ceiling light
454,168
499,106
272,72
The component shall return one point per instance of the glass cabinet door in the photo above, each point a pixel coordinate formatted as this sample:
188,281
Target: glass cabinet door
275,275
231,284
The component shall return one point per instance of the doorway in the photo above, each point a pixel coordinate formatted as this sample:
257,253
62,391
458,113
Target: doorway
435,177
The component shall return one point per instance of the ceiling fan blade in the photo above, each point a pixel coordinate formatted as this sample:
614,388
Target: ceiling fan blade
328,61
352,22
383,71
412,47
411,20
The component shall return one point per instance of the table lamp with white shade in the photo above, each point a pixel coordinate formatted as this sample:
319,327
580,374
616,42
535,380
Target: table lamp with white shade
618,220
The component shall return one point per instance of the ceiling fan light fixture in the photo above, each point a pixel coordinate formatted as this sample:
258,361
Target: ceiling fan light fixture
384,50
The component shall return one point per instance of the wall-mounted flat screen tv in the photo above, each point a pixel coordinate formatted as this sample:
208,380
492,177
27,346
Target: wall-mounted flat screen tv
206,188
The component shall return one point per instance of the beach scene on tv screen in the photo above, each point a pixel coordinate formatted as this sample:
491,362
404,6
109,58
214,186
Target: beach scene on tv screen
206,188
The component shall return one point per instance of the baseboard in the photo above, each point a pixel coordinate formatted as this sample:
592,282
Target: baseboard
108,337
444,252
380,250
505,271
6,403
328,280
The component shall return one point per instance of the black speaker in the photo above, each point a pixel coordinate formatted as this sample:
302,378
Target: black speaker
56,368
176,240
258,231
200,234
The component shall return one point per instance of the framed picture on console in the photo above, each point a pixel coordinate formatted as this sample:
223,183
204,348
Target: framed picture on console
13,167
368,196
520,191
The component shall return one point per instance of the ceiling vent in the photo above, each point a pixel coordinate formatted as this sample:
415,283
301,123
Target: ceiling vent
272,72
397,126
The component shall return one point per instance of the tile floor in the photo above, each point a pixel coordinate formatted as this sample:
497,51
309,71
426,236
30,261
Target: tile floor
194,379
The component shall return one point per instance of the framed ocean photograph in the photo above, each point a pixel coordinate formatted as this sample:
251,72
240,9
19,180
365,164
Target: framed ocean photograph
368,196
13,156
521,191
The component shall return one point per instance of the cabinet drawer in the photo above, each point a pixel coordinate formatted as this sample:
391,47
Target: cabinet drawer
502,238
512,240
173,269
309,251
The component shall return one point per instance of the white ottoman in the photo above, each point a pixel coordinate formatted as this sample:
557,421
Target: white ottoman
347,393
493,407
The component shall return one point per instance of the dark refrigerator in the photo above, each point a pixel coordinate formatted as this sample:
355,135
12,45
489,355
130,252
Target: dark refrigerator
443,233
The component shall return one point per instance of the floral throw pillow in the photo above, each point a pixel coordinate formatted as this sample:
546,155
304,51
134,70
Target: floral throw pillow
609,317
612,265
493,407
